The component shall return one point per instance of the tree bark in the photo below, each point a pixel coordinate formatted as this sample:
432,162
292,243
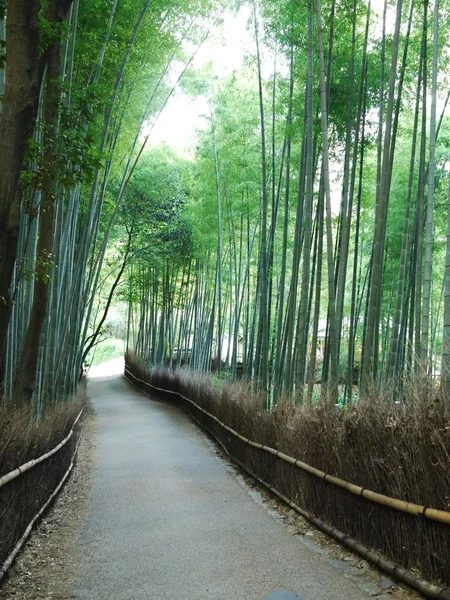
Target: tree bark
430,198
26,373
264,350
303,325
16,127
404,253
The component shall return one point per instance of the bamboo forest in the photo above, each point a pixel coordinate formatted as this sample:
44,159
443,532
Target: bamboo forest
302,241
247,195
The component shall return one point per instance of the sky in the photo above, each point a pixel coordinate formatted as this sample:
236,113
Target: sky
226,49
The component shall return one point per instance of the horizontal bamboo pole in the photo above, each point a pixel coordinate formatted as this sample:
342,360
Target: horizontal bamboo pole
8,562
32,463
433,514
400,573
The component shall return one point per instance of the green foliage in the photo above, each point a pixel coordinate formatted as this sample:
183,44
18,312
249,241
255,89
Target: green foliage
75,157
106,350
49,32
42,269
154,207
234,117
44,265
198,82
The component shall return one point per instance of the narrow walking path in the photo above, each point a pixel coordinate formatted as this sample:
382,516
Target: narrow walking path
169,520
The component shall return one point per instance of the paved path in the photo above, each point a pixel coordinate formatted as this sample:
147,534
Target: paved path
169,520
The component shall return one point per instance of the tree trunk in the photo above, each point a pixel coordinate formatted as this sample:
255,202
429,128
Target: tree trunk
430,198
445,368
371,338
404,254
16,127
278,366
263,273
329,227
26,373
303,325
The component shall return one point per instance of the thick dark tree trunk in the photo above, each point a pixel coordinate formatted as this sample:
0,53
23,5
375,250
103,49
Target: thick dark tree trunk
25,380
16,127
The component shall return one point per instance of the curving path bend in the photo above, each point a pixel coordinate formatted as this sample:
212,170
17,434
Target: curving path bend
171,521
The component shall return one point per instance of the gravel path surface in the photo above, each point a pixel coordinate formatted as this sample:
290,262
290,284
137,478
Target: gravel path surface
170,519
153,511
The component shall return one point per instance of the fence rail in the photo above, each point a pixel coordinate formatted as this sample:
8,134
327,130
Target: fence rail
32,463
23,503
441,516
421,514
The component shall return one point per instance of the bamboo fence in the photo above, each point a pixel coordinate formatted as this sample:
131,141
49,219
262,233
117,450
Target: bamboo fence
27,491
274,470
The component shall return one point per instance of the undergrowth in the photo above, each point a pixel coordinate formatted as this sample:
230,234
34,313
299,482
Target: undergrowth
401,450
22,438
107,350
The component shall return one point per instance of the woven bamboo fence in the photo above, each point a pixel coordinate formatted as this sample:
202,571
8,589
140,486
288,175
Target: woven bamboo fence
398,536
26,492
